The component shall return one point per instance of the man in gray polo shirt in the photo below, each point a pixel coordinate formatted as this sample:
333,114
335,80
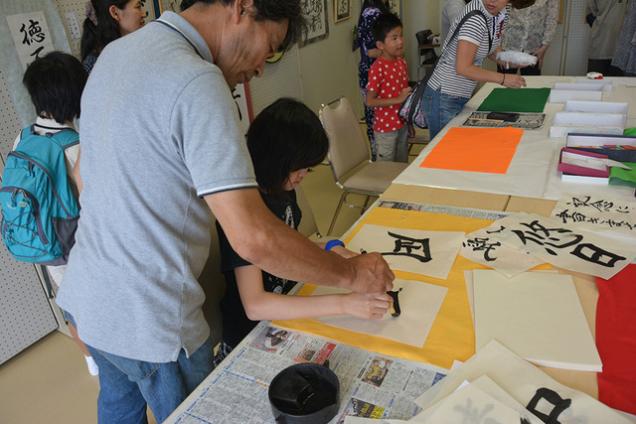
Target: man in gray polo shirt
161,146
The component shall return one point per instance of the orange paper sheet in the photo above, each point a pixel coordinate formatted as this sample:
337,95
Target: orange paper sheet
475,150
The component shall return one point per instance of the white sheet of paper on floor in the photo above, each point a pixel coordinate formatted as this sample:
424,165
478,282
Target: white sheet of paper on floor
419,303
429,253
565,246
561,96
537,315
481,246
600,213
528,385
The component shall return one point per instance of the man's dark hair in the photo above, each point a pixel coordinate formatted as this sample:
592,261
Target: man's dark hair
55,83
271,10
285,137
385,23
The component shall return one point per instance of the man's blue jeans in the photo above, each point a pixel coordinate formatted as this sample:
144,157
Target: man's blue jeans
128,385
440,108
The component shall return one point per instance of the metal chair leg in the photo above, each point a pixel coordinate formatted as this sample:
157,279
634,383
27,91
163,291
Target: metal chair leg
335,215
366,203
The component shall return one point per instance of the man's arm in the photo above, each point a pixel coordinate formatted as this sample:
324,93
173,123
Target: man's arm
76,173
265,241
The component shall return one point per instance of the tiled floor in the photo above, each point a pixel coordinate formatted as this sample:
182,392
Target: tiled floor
49,383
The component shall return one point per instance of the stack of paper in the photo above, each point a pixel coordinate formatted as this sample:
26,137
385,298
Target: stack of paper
536,314
587,122
495,369
561,96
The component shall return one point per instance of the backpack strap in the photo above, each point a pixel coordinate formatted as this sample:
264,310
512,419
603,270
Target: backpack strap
461,23
65,138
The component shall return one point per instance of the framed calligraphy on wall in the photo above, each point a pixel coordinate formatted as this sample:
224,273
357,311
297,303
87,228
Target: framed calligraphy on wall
341,10
315,13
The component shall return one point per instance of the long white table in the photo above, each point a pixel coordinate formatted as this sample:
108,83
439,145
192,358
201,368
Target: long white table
532,172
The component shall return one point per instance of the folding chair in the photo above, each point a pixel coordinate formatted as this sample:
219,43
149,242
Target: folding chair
350,159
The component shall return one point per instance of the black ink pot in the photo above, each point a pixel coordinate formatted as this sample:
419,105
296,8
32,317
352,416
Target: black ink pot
304,394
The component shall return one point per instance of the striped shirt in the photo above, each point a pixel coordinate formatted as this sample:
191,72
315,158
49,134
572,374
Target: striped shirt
475,31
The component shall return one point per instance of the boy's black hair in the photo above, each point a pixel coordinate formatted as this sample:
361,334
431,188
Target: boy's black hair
286,136
55,83
385,23
270,10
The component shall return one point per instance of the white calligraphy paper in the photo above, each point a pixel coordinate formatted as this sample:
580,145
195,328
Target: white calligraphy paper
429,253
595,212
419,304
31,36
565,246
482,247
536,314
528,385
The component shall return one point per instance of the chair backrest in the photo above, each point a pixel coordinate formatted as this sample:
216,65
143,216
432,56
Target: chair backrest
348,147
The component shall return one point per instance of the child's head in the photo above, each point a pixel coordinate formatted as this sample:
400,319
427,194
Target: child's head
55,83
387,32
285,140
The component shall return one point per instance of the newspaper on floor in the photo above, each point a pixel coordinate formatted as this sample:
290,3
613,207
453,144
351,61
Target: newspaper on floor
371,385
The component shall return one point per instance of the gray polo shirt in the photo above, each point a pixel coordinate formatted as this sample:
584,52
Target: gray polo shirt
159,131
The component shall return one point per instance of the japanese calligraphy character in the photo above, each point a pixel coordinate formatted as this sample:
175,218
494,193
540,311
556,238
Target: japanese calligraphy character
501,228
622,209
36,52
410,245
556,237
550,396
479,244
574,216
595,254
32,33
599,205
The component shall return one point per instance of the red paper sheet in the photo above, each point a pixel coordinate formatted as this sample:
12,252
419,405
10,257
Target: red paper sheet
475,149
616,339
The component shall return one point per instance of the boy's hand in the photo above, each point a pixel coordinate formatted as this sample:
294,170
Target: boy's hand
371,274
366,305
404,94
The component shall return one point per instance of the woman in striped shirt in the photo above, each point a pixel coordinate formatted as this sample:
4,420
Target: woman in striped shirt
469,42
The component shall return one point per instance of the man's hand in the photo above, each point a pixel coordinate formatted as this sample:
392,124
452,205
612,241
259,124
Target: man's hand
540,53
371,274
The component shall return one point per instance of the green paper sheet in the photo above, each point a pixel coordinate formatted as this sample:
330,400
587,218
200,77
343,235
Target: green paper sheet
516,100
630,131
625,177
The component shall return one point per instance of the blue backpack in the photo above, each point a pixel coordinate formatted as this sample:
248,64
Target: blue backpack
39,208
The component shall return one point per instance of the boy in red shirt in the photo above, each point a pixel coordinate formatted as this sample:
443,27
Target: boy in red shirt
388,87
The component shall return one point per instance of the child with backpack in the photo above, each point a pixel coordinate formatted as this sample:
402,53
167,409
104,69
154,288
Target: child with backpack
38,196
387,89
284,141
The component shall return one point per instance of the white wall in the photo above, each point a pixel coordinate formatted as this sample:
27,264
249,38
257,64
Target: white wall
416,16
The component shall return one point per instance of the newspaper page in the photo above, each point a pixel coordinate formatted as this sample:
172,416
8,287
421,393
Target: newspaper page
371,385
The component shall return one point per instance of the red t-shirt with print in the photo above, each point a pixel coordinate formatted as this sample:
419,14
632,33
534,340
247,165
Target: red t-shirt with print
387,78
